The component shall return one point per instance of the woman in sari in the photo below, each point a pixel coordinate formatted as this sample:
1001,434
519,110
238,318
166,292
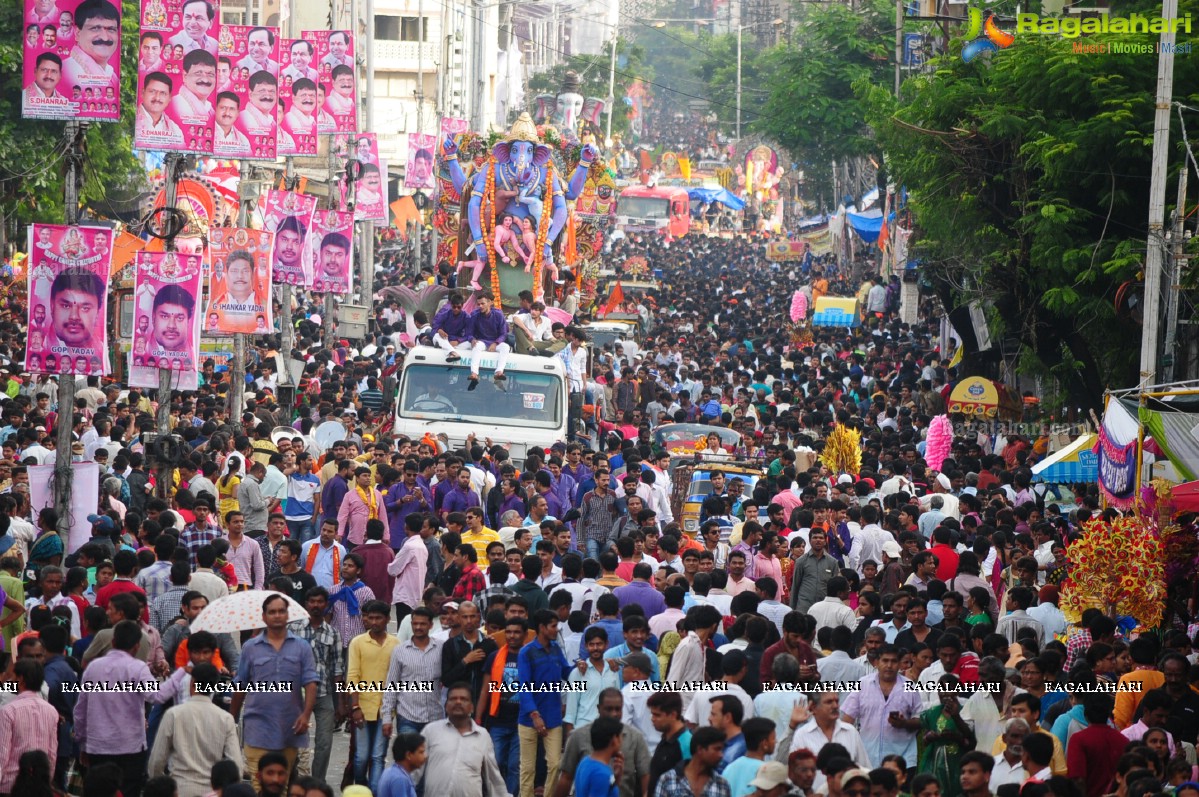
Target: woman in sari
946,737
47,549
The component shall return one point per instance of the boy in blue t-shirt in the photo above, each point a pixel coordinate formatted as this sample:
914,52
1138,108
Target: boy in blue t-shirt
599,774
410,755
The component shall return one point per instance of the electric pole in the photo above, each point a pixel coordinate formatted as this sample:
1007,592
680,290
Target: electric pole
1155,255
66,382
173,166
1173,297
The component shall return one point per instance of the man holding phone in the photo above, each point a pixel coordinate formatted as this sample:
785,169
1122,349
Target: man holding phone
885,710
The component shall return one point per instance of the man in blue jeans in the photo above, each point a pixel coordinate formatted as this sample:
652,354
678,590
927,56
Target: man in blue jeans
498,710
300,507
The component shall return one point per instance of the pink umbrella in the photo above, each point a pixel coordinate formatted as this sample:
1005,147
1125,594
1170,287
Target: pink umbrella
557,315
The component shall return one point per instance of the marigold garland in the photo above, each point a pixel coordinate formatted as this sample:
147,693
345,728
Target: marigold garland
543,229
487,217
1118,567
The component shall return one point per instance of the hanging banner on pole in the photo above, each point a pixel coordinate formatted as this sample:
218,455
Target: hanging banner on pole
72,60
289,216
332,251
301,98
249,55
177,76
239,290
85,497
370,190
166,319
68,300
337,76
419,173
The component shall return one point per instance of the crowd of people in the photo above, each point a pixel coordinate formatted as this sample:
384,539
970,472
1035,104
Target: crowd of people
479,626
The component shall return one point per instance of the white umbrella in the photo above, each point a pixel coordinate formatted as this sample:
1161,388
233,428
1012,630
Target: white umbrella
242,611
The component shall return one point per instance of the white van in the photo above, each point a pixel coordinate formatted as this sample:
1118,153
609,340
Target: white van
527,409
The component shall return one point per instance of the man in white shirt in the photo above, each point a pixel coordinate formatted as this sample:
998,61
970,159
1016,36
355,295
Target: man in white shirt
1009,764
259,44
833,611
341,100
301,54
258,118
98,39
153,126
197,19
150,59
826,726
300,119
192,104
229,140
534,332
339,45
44,89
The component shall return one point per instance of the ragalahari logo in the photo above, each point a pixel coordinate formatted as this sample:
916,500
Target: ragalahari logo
982,38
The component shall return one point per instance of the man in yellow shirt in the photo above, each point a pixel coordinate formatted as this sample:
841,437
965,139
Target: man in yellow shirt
477,534
366,673
1028,708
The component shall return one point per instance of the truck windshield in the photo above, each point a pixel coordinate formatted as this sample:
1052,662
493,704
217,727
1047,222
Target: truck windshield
644,207
437,393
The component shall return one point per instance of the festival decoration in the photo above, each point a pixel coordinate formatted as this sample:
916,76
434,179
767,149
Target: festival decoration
939,442
799,307
843,451
1120,567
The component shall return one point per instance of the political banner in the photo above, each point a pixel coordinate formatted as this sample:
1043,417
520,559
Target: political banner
450,126
177,76
300,97
337,77
239,289
68,299
72,60
289,216
247,109
166,312
332,251
419,173
367,169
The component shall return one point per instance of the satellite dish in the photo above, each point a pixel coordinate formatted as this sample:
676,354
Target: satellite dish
281,432
329,433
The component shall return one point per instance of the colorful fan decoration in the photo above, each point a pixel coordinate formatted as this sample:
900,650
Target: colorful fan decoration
636,266
939,443
1120,566
843,451
799,307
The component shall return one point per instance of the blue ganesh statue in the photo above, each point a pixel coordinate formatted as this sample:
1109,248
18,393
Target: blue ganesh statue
516,203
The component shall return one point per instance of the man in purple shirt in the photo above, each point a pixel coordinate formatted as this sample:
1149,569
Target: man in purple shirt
545,488
490,334
641,591
404,498
461,497
335,490
452,329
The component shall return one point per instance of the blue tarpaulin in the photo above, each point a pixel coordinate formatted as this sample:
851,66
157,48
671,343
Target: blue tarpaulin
869,224
721,195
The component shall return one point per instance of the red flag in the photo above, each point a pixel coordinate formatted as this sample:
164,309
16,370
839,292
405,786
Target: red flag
615,300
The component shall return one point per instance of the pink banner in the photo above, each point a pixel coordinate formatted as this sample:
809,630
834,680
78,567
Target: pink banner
419,173
450,127
289,216
248,70
370,194
68,299
301,98
338,77
332,251
177,76
239,290
72,60
166,314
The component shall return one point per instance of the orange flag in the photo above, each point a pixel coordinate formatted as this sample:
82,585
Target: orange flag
615,300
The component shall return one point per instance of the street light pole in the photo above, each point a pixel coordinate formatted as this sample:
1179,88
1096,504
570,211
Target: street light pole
739,29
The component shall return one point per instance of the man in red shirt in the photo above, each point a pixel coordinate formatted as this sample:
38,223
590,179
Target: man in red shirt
124,563
1092,753
963,664
947,557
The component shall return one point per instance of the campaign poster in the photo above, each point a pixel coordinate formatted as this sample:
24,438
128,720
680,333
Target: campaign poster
177,76
68,300
419,173
247,103
289,216
301,98
239,288
166,318
332,251
338,79
370,190
450,126
72,60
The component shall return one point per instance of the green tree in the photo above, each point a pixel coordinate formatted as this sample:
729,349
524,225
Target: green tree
1029,183
32,152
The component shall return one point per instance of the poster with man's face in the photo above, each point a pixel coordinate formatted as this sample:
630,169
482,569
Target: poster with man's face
370,190
247,100
239,287
68,299
300,98
72,60
177,76
337,79
419,173
332,251
166,320
289,216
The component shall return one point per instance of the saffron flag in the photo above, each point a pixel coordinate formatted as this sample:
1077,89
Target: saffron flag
615,300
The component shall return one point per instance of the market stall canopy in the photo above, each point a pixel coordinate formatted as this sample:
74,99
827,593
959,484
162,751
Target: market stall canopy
836,311
1075,463
1186,497
868,224
721,195
982,398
